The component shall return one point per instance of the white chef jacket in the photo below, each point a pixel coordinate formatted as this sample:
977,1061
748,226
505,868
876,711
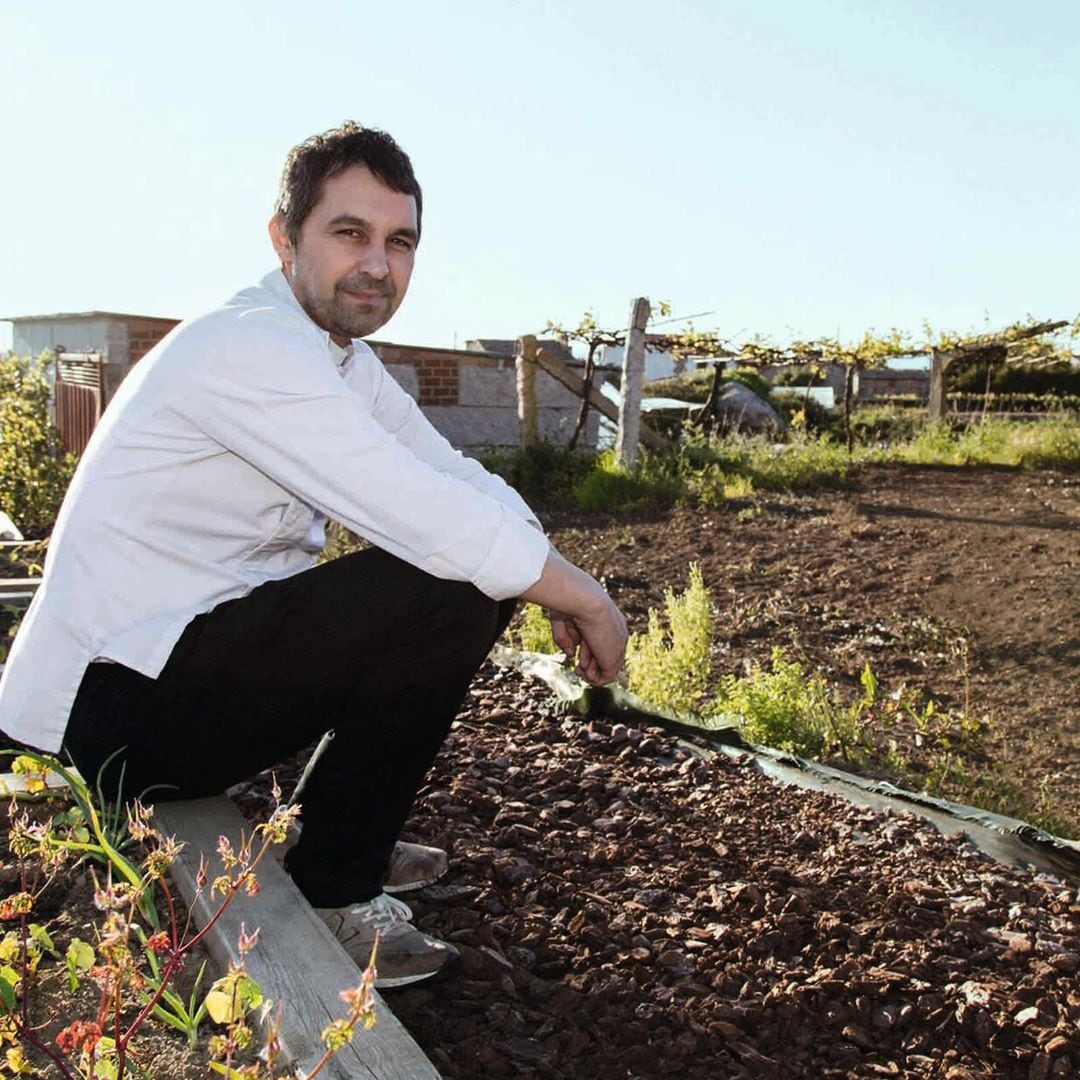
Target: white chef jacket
205,479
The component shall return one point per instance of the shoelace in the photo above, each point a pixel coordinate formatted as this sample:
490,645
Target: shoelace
384,912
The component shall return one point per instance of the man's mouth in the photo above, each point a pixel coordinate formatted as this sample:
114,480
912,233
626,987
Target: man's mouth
367,293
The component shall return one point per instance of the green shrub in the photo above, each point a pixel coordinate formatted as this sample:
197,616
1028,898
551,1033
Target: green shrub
691,386
885,424
780,707
806,416
799,375
1059,378
670,664
654,480
695,385
34,469
533,632
543,474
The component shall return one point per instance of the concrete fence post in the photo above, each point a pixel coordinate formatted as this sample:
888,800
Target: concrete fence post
525,364
939,361
633,374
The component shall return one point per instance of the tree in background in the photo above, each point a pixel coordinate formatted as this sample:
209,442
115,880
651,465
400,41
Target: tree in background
34,468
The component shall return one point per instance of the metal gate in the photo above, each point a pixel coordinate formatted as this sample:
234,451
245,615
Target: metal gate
80,393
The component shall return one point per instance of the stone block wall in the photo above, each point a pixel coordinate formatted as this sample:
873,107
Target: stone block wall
471,397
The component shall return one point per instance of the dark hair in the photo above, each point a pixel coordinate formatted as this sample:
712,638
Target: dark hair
322,157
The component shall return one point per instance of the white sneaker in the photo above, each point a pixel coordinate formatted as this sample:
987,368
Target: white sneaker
405,955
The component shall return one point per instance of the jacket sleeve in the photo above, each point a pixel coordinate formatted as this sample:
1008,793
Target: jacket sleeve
396,411
273,399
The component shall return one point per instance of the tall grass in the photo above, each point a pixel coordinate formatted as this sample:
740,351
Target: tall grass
710,471
1052,443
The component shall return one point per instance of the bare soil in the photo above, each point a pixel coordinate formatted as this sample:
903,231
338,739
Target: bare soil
963,585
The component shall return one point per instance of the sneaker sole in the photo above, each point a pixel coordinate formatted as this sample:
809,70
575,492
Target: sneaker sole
452,962
412,886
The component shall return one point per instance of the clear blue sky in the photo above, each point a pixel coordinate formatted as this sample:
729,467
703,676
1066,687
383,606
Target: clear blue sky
795,166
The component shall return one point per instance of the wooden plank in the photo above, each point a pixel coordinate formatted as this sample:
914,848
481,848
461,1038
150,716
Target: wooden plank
560,372
18,587
297,961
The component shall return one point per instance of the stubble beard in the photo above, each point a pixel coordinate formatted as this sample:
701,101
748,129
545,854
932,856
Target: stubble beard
343,316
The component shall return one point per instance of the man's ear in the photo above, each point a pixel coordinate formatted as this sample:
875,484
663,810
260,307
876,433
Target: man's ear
279,237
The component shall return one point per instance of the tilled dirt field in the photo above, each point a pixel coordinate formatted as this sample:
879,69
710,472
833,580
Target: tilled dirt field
961,585
625,908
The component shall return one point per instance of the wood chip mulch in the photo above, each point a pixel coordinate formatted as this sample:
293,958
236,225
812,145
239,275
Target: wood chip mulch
625,908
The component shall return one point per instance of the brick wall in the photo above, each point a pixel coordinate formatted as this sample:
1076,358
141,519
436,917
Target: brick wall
437,370
144,334
471,397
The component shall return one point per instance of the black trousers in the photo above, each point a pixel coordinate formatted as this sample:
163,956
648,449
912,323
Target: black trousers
365,646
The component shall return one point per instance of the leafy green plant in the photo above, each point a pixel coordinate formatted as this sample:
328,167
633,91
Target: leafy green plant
34,468
543,474
780,706
653,480
134,959
533,632
670,664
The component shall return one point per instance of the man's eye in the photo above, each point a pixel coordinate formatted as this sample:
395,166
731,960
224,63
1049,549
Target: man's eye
402,243
350,233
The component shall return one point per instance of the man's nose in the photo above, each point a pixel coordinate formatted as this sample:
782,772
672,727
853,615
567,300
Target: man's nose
373,261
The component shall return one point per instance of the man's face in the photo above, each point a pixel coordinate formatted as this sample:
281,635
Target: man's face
352,261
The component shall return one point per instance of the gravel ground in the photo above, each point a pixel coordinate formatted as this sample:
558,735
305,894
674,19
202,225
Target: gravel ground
626,908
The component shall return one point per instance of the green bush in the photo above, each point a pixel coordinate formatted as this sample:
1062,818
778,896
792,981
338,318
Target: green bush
669,665
799,375
543,474
885,424
1061,378
780,707
533,632
692,386
34,468
653,481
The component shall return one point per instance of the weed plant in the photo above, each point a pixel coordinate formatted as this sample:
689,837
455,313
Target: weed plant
533,632
1052,443
784,707
654,481
134,957
670,664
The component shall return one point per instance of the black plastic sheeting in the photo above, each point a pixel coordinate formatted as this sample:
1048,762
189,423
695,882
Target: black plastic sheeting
1003,838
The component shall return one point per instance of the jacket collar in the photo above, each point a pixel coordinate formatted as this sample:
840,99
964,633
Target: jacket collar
276,283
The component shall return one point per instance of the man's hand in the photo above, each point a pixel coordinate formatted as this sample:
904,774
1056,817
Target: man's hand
585,622
591,652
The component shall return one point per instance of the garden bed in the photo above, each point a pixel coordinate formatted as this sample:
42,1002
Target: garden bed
627,909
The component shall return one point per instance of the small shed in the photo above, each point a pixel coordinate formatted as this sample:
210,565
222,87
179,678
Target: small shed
120,340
